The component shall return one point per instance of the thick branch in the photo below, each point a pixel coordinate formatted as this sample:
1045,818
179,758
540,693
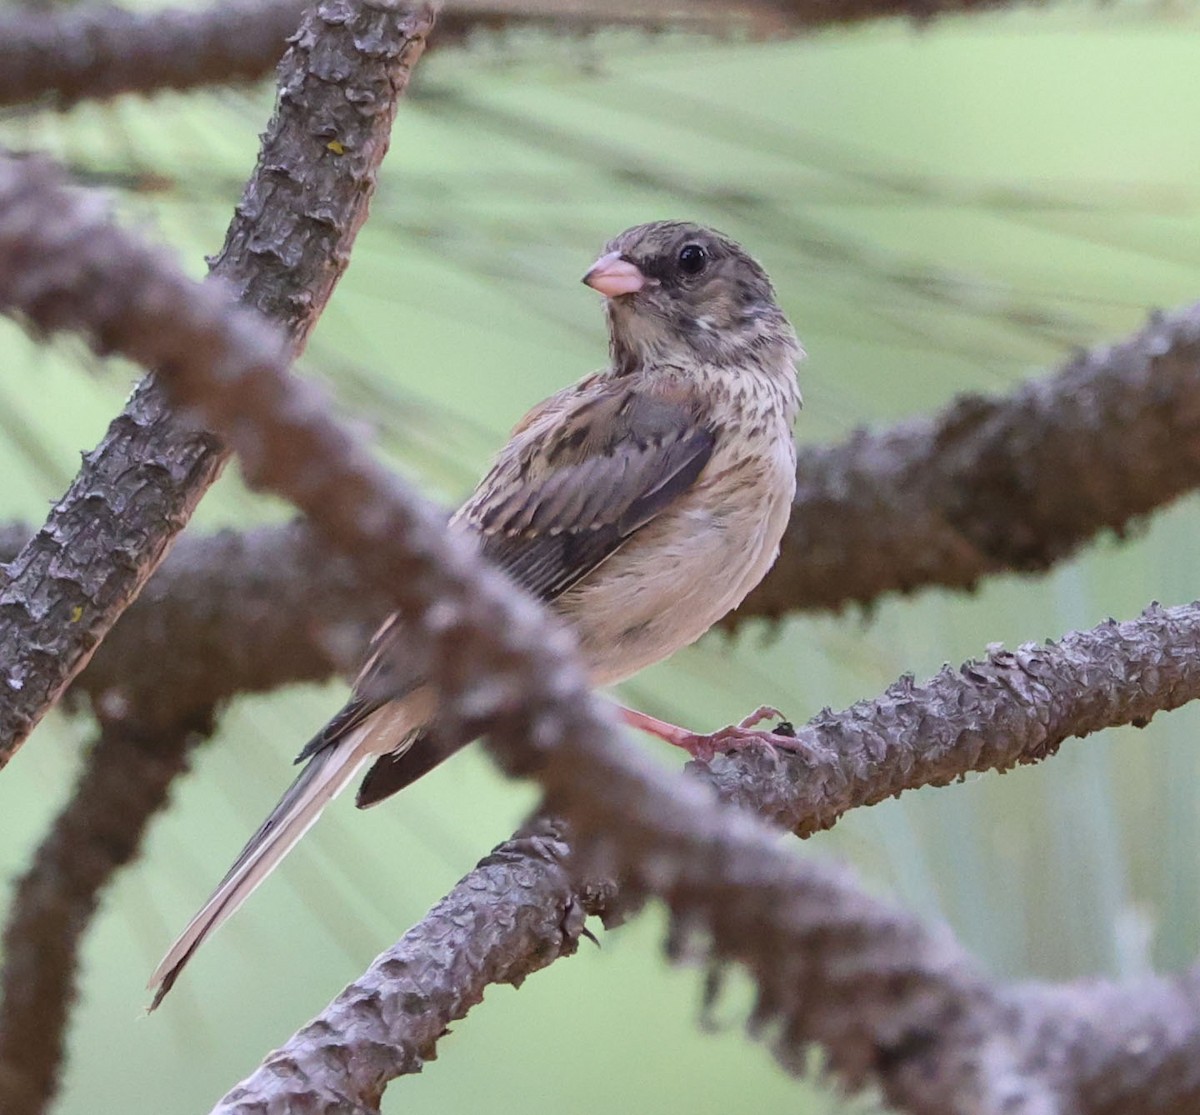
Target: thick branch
843,951
296,608
123,785
889,1000
66,54
286,248
1010,482
1131,1047
809,14
228,613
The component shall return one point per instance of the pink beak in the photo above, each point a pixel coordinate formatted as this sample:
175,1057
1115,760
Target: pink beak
611,275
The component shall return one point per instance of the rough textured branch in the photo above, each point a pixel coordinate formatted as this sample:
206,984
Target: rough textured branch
519,912
841,950
66,54
286,248
1011,707
1010,482
889,1000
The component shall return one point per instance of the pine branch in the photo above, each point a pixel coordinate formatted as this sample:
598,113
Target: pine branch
890,1001
59,56
838,967
287,247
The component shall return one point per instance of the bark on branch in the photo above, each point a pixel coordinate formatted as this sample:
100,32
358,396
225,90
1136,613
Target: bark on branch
124,784
889,1000
1010,708
288,245
519,911
60,56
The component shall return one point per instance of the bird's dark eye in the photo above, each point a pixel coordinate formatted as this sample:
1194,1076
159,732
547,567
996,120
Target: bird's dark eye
692,258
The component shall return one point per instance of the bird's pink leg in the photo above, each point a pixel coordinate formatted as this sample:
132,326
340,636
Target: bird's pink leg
643,722
733,738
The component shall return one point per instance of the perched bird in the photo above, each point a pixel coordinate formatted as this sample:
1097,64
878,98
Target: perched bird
643,502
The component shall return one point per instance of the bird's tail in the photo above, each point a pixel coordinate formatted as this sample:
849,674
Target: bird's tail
326,774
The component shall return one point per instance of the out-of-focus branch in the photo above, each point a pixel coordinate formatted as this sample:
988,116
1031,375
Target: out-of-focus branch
123,785
63,55
228,613
889,1000
69,53
295,607
93,52
1143,1056
810,14
285,250
1006,483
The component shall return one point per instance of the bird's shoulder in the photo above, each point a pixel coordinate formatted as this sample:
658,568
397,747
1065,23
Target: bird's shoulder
584,454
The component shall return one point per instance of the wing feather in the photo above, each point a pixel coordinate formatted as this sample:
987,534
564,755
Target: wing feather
583,474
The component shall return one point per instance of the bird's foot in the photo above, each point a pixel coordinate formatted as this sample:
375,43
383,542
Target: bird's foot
733,738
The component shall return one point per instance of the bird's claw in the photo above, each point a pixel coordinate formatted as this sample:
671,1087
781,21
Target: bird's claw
744,733
763,712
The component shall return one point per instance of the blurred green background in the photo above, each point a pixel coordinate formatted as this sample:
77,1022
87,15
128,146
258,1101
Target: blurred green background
944,210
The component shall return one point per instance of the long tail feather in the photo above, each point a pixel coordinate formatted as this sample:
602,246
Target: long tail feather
326,774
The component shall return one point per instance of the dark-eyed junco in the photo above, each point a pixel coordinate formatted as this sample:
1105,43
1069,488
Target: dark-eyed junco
643,502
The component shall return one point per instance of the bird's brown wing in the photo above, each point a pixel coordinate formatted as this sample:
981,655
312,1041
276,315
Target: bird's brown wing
552,509
582,475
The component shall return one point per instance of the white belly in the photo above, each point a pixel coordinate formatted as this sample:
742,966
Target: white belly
686,570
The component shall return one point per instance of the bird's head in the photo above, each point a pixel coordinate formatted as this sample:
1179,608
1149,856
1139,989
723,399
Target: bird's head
678,291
